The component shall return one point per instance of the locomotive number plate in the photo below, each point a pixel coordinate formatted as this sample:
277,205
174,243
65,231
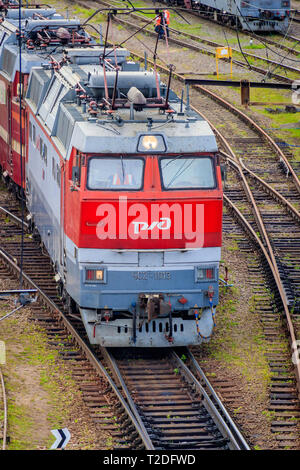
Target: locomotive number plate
152,275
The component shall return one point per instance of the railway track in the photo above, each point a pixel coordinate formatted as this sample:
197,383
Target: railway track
294,28
279,232
187,398
242,137
107,408
284,390
279,397
196,43
161,425
3,422
252,221
285,42
288,43
279,229
283,411
284,46
172,401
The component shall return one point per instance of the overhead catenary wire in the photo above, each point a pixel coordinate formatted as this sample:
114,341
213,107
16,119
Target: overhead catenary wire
255,35
283,57
269,71
138,39
176,11
268,48
240,46
223,29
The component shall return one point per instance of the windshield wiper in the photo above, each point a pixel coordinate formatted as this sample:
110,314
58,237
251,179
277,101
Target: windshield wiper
173,159
181,171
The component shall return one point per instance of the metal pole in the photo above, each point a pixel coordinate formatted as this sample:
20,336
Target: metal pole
101,35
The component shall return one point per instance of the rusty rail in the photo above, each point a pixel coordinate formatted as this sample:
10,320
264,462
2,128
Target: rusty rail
4,432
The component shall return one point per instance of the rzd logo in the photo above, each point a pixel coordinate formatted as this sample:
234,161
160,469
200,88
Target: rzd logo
164,223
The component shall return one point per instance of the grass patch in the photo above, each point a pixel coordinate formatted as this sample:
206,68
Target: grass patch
41,392
86,13
255,46
279,121
239,341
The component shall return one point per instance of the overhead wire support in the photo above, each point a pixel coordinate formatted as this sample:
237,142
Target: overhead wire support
132,5
106,35
127,11
136,32
114,11
171,69
155,68
115,94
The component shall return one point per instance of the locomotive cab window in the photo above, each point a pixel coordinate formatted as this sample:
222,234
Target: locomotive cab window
187,172
115,173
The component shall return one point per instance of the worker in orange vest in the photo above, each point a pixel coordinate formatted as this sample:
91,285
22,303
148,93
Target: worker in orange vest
167,20
159,26
162,24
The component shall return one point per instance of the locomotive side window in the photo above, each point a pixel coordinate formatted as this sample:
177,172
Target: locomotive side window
115,173
183,172
78,161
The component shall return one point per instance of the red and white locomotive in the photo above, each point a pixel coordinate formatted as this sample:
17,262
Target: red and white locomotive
122,182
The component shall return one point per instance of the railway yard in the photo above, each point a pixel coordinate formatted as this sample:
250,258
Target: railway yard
240,390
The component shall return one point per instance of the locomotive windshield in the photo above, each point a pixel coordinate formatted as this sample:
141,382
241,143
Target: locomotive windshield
115,173
184,172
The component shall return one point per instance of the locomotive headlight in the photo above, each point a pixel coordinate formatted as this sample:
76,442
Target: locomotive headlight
95,275
151,143
99,274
